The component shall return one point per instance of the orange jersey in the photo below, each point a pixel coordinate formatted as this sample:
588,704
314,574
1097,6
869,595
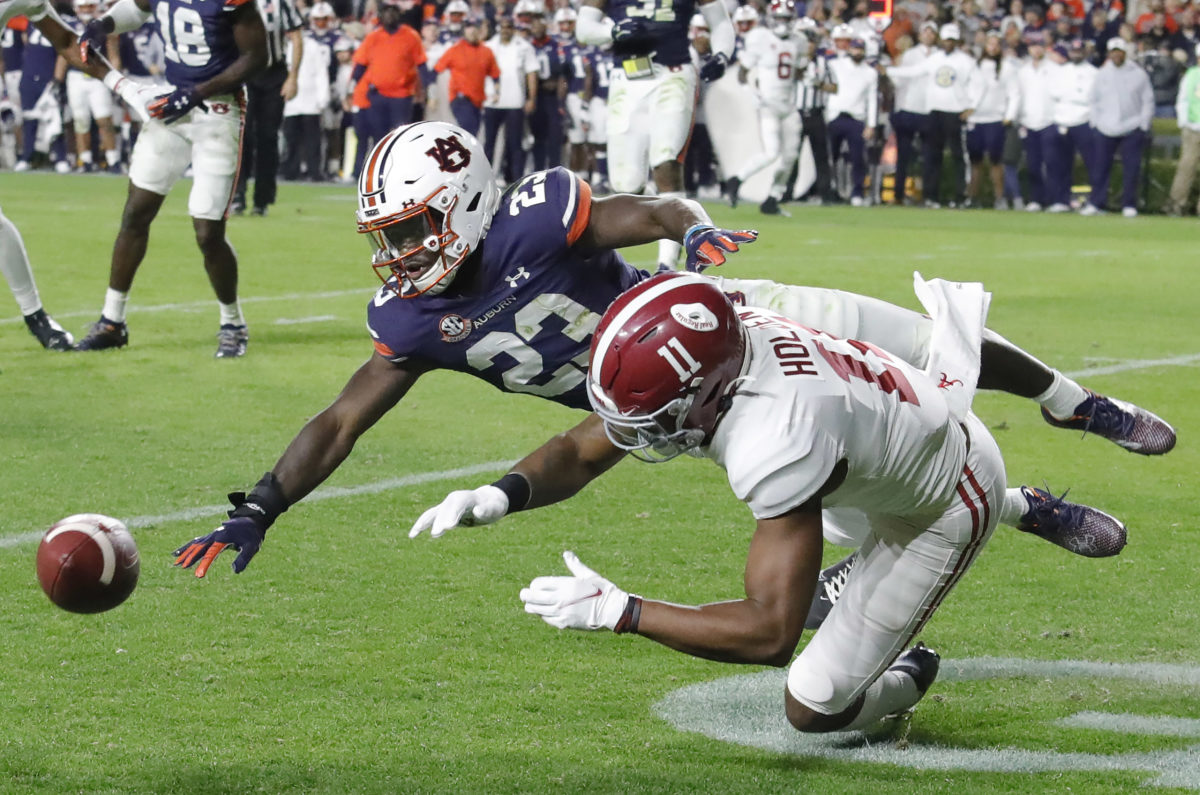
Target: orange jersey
391,60
469,64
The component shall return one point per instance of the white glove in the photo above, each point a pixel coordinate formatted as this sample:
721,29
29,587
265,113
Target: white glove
134,92
584,601
484,505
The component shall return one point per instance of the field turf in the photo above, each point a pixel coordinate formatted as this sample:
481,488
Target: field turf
348,658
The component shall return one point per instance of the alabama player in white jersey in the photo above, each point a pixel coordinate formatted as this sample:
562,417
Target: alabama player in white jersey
811,430
770,55
14,261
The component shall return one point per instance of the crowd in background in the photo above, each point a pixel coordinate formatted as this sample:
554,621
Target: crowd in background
515,73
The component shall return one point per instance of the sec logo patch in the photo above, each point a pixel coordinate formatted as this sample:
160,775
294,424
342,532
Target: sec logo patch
944,76
454,328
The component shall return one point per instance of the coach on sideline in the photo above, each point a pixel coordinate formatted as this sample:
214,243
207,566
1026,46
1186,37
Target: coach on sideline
1122,107
469,62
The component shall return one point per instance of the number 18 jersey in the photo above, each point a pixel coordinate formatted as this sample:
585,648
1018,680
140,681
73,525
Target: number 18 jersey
521,313
197,37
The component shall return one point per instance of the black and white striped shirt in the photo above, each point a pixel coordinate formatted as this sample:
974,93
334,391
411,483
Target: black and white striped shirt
816,74
279,16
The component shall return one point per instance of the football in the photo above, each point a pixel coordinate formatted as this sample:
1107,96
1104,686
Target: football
88,563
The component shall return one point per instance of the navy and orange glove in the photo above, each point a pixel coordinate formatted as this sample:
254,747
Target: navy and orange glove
174,106
244,531
95,34
706,245
714,67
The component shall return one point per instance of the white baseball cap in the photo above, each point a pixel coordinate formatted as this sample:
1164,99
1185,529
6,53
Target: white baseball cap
950,31
1117,43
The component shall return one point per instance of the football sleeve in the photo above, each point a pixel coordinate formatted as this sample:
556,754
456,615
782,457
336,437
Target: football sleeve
778,477
553,208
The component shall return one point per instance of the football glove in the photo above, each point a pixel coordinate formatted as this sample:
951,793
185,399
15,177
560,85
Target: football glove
632,36
584,600
484,505
713,68
706,245
95,34
174,106
242,533
133,92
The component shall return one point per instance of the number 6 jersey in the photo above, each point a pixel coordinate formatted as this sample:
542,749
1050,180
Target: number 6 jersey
520,313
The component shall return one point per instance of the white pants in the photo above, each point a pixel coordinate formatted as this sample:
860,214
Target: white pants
579,113
905,569
211,141
901,332
89,99
649,122
780,130
598,116
12,85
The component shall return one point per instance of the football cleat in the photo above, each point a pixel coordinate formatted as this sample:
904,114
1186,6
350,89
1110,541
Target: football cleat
830,584
770,206
1130,426
732,186
52,336
103,335
1079,528
231,341
921,663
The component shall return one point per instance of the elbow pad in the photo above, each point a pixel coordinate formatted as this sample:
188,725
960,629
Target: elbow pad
125,16
720,26
592,27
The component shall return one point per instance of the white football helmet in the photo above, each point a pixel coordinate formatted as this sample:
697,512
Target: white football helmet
455,15
425,187
86,10
745,18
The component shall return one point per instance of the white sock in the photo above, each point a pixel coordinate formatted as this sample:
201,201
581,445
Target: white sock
85,157
1014,507
114,305
893,691
231,314
14,264
1062,397
112,156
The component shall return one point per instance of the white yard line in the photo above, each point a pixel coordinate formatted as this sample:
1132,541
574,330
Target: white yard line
326,493
1136,364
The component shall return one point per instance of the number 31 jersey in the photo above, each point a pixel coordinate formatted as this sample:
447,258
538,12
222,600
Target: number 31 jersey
197,37
811,400
519,314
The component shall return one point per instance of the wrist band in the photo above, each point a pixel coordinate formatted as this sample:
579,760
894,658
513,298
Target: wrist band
693,229
264,502
517,489
628,622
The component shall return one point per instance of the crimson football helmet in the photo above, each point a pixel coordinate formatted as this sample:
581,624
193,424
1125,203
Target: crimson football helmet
664,361
426,188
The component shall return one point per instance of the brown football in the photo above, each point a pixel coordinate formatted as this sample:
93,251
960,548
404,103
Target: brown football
88,563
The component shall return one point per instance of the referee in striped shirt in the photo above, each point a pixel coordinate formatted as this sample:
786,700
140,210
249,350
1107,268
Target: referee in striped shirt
267,93
815,84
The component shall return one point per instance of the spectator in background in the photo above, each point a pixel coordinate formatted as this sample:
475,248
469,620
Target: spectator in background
1035,81
470,64
266,94
996,109
302,113
1187,38
1122,107
852,113
1155,16
386,73
910,116
1071,132
1097,29
1187,113
1165,72
509,98
343,117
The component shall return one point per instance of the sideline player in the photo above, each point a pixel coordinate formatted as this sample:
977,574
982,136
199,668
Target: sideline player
807,427
652,95
14,261
212,47
509,288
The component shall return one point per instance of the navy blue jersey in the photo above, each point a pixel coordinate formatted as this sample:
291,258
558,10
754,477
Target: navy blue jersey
602,67
329,39
575,56
551,64
529,328
667,21
140,50
40,57
12,44
197,37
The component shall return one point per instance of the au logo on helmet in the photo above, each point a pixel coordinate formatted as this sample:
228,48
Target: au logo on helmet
450,154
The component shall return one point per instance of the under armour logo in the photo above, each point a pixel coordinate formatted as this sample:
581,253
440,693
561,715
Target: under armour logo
450,154
409,203
948,382
516,277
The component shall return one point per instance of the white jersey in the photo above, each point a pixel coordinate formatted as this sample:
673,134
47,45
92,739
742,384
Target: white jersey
772,61
34,9
812,400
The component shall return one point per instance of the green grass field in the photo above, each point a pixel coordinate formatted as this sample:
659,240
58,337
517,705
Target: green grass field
348,658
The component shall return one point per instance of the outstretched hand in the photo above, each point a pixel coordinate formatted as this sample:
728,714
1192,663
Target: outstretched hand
707,245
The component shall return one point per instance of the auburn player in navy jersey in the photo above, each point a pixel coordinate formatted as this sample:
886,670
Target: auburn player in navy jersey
510,287
652,97
211,48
